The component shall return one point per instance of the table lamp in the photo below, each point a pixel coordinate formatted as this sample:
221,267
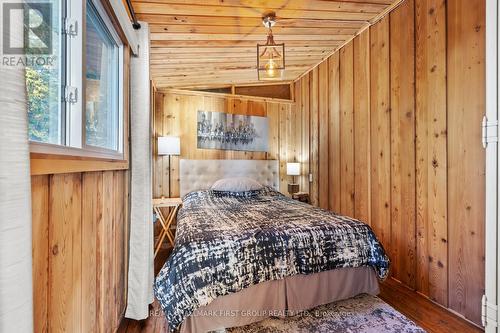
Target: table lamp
293,169
171,146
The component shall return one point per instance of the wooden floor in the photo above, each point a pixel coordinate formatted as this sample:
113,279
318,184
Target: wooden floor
425,313
428,315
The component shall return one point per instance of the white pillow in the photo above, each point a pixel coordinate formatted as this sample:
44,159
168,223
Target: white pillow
236,184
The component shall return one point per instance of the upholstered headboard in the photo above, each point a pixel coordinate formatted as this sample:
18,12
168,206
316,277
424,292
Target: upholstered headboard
201,174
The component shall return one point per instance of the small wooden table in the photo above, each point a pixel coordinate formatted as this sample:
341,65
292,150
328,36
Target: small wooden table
166,222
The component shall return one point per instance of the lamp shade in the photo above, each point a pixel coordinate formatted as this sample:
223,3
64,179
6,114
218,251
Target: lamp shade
169,145
293,169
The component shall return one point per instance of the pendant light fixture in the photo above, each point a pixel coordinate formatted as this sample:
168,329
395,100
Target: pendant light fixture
270,56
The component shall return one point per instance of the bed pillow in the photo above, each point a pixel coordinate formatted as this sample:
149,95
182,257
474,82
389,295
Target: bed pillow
236,184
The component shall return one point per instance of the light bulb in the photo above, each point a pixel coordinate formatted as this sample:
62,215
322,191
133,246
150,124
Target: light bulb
270,68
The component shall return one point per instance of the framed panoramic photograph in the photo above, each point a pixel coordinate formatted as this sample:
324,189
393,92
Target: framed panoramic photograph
217,130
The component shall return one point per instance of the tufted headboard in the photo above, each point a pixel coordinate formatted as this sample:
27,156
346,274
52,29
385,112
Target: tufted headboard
201,174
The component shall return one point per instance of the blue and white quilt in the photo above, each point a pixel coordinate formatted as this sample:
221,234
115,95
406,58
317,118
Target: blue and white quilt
226,242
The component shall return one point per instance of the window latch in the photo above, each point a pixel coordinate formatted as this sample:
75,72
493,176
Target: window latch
490,131
71,94
71,27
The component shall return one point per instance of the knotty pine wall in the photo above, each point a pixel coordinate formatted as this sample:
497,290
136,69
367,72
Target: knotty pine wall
80,221
79,251
395,140
176,114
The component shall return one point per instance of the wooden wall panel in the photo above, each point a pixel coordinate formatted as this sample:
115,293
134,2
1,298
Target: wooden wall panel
305,122
119,240
91,218
294,141
334,133
178,116
362,166
286,153
403,222
40,231
302,154
347,130
314,135
256,108
273,114
431,152
80,257
180,126
466,157
105,252
323,135
162,171
380,132
65,293
411,87
281,91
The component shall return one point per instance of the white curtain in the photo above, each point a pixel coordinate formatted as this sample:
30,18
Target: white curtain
16,290
140,274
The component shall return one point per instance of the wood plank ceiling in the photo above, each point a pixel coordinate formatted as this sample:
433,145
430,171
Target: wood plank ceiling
208,43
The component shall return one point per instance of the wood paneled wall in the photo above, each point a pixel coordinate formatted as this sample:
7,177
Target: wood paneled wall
395,140
176,114
79,251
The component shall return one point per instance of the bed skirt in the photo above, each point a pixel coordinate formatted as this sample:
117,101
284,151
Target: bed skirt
280,298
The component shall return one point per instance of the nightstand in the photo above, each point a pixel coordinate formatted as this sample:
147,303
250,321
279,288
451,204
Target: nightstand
301,196
174,204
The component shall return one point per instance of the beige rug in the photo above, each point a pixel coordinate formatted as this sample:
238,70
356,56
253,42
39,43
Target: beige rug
364,313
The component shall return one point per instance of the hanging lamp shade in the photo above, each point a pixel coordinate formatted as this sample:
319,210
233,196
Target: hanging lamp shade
270,56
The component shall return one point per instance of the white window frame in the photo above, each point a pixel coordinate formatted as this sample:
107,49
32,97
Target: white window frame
75,49
74,142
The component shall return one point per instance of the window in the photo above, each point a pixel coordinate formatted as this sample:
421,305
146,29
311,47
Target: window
71,107
101,88
43,82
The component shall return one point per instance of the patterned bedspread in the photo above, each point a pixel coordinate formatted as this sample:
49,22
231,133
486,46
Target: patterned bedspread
225,243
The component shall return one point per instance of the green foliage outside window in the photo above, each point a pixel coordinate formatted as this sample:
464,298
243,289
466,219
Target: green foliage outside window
43,104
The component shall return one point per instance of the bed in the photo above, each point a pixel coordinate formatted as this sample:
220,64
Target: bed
241,257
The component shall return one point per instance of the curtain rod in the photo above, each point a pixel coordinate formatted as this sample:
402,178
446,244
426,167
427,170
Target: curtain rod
136,25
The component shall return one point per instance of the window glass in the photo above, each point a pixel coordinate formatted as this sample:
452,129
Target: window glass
101,83
44,74
68,106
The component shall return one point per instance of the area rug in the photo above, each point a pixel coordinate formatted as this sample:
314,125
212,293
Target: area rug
363,313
